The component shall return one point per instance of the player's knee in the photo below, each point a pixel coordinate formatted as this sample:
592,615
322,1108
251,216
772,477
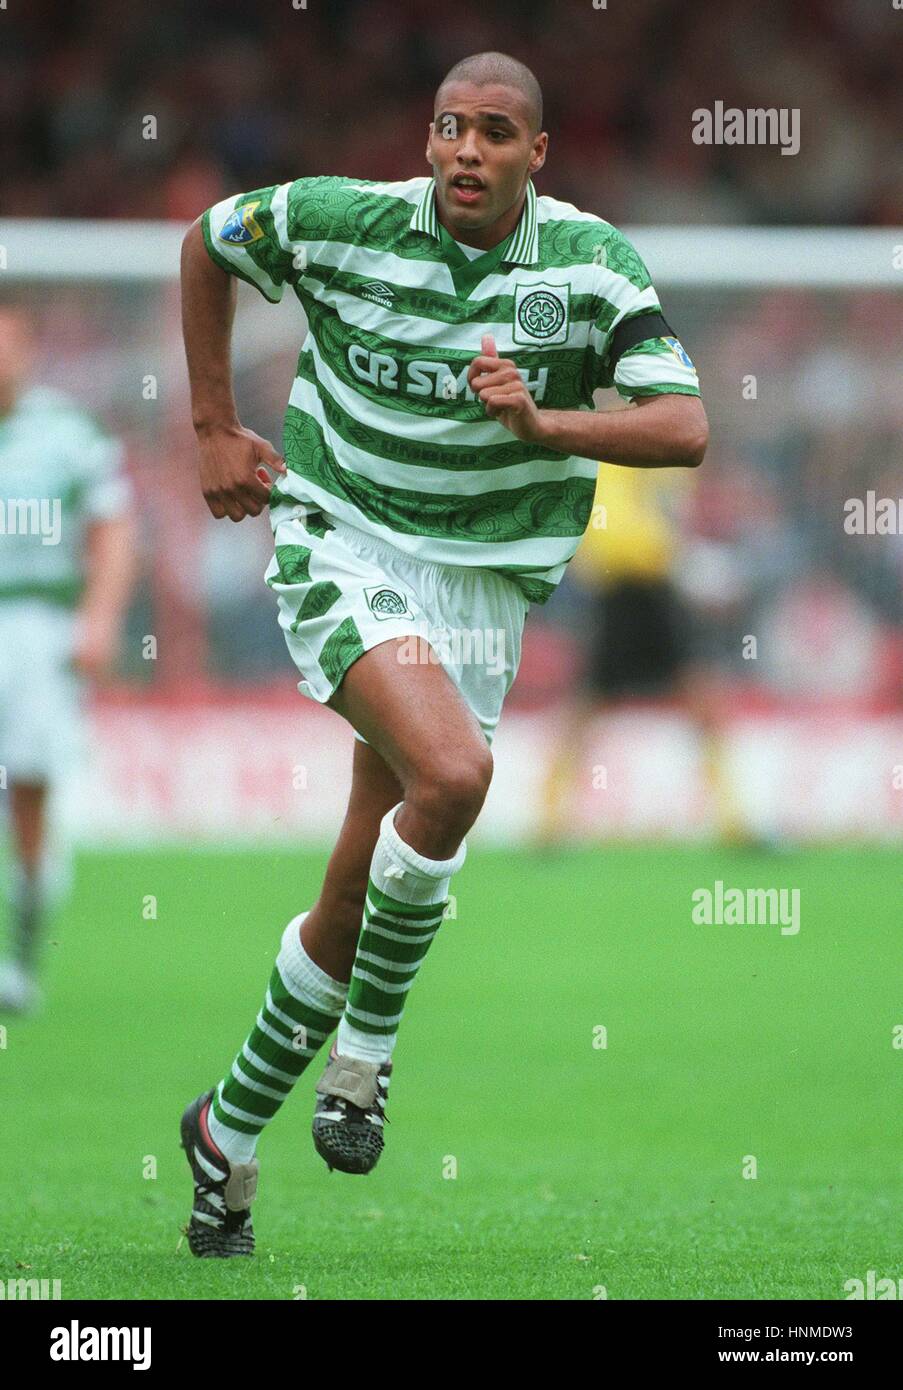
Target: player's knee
453,789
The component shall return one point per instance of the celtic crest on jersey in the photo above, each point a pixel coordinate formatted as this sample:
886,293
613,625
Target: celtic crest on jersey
541,313
387,603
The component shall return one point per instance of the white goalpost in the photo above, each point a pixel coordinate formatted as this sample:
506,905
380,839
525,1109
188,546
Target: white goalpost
723,257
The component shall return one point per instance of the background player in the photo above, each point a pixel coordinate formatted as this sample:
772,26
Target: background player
65,574
426,488
641,639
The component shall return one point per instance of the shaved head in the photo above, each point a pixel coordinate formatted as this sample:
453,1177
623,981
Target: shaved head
498,69
485,143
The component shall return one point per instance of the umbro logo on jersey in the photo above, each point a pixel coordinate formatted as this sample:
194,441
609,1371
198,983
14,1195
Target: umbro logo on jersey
378,292
240,228
541,313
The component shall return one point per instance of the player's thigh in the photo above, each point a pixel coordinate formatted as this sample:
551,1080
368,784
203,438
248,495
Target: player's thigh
414,716
41,705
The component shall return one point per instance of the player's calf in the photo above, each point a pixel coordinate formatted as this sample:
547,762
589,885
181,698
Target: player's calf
415,718
406,899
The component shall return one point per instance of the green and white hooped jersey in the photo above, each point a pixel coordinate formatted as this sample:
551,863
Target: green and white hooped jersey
382,430
59,471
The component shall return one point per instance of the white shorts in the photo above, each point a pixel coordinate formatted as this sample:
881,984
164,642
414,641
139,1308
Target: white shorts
342,591
41,725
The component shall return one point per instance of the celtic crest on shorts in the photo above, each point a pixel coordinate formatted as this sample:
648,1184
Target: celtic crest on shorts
386,603
541,313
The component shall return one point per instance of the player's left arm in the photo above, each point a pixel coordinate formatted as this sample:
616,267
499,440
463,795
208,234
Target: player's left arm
670,431
109,579
109,567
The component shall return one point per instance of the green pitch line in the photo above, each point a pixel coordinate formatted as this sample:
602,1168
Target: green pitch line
577,1166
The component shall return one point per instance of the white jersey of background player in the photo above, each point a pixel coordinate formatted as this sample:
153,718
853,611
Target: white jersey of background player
65,570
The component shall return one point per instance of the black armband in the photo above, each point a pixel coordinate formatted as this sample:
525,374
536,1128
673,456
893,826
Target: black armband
629,332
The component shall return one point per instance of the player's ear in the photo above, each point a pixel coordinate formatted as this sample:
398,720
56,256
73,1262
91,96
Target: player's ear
540,146
429,143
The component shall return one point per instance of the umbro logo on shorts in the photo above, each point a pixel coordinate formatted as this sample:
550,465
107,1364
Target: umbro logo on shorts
386,603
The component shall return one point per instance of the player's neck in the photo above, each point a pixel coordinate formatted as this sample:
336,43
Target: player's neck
484,238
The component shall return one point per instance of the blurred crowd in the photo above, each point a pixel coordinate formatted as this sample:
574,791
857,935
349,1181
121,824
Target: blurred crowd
243,95
802,391
248,94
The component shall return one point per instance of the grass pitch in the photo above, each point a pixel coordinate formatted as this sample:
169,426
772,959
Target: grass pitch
578,1168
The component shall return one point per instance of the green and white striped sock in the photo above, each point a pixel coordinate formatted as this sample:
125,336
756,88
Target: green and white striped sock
406,897
301,1008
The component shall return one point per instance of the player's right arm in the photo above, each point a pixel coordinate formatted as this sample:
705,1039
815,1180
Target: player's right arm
233,480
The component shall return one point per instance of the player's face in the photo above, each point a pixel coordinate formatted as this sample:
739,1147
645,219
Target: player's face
15,355
482,150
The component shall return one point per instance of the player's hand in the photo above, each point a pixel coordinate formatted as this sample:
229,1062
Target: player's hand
234,470
500,386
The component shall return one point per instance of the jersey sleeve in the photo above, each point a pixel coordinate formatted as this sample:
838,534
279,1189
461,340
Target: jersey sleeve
632,347
247,235
265,237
